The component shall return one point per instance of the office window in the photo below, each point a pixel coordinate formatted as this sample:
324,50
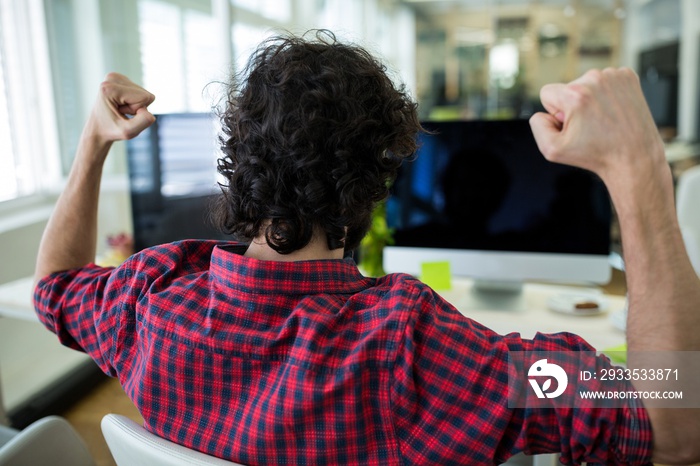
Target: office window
344,18
180,55
27,163
246,38
8,178
276,10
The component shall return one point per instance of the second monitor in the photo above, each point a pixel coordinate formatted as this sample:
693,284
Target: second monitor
481,196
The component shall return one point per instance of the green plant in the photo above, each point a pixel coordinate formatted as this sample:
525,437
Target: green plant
372,245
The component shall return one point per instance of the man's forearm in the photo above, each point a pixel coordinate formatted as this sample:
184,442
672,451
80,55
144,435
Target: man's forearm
664,300
601,122
664,290
70,238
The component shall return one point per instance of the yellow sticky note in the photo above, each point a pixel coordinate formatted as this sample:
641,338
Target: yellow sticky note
436,275
617,354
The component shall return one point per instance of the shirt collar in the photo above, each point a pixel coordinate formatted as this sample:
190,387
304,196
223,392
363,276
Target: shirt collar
232,269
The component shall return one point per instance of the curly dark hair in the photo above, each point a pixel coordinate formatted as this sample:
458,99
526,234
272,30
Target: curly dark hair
311,139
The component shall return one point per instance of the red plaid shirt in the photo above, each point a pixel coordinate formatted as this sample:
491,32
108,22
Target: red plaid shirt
312,363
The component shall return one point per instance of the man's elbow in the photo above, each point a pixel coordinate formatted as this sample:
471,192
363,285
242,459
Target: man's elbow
676,435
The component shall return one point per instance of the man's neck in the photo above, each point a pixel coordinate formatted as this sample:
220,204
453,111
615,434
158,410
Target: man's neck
315,250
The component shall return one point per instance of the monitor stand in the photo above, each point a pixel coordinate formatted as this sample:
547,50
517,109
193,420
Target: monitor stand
496,295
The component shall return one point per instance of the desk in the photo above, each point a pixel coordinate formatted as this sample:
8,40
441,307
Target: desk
16,300
536,317
32,360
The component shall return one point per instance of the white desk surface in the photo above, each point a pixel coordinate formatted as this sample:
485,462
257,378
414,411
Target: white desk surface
16,299
535,316
31,357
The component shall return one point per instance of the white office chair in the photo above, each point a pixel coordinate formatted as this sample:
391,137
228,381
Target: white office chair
50,441
688,208
132,445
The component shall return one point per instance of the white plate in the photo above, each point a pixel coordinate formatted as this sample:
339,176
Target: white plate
619,319
576,304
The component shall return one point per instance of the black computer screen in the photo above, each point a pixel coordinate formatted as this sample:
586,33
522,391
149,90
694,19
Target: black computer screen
659,78
173,178
484,185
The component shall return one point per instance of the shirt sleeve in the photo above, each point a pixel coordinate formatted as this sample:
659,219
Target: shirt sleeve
93,309
450,398
82,307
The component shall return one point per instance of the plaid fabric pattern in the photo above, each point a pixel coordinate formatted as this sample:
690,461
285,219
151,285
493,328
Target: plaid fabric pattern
312,363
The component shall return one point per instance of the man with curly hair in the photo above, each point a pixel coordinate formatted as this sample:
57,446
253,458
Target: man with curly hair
276,350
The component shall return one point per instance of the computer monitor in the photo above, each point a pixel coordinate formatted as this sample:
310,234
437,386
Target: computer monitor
659,78
481,196
172,176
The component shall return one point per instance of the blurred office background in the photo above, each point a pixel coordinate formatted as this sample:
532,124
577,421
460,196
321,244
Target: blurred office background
461,59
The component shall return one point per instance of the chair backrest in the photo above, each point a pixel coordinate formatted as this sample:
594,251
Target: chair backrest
50,441
688,208
132,445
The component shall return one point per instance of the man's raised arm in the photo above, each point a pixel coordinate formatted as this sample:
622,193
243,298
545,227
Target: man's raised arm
70,238
601,122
